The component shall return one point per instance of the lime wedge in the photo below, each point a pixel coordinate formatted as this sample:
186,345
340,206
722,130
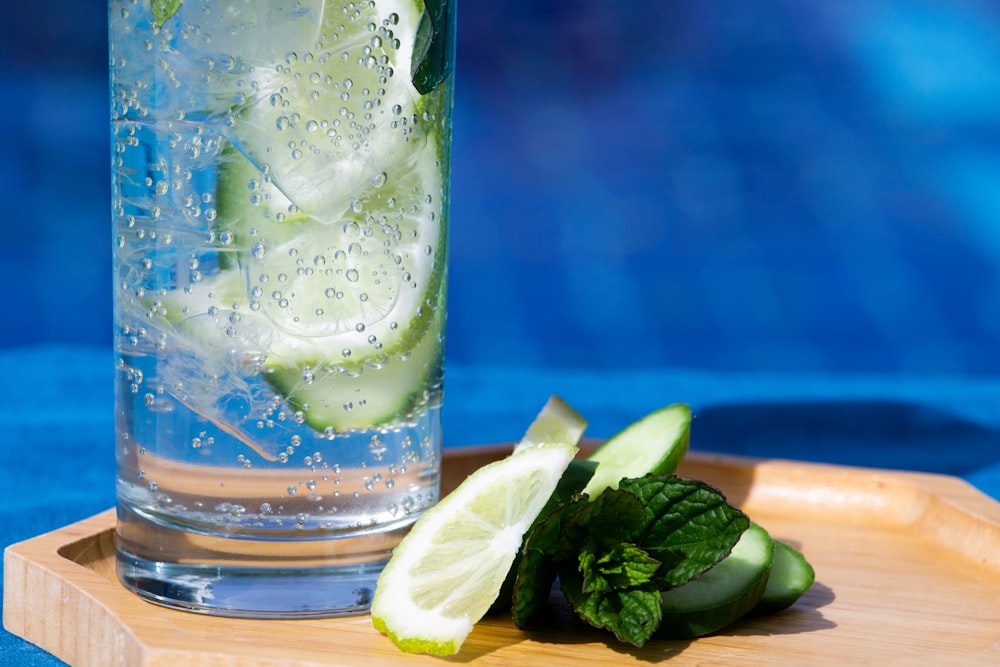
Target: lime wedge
556,422
447,572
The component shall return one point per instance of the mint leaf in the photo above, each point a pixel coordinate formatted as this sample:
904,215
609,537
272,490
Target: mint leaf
538,564
434,46
614,516
573,481
624,566
530,580
689,525
615,554
163,10
576,528
632,615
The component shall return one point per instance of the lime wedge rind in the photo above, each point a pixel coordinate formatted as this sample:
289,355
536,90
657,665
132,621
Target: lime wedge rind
452,565
427,623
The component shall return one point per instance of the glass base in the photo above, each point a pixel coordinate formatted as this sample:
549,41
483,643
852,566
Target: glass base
252,592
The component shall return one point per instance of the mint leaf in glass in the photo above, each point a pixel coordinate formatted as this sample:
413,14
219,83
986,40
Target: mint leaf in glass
163,10
435,40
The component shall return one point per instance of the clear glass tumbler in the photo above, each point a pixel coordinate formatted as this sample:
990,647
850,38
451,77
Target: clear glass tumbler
280,207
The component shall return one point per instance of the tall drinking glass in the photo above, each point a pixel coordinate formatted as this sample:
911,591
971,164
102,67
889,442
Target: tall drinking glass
280,207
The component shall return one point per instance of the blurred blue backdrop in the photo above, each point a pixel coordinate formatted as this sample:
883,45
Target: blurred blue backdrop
767,186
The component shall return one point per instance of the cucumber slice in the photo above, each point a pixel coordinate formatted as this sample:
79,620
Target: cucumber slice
654,444
330,209
385,383
791,576
387,387
723,594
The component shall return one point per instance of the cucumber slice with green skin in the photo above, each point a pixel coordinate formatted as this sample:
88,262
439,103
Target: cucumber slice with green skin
654,444
791,576
382,385
386,388
722,595
329,212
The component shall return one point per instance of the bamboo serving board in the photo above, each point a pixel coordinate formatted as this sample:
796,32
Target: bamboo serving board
907,572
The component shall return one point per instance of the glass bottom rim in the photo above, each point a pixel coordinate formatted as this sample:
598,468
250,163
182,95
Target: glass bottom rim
251,592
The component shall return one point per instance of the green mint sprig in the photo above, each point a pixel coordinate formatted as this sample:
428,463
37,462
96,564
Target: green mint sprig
614,555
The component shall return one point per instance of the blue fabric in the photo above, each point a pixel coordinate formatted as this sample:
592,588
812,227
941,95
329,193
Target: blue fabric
784,213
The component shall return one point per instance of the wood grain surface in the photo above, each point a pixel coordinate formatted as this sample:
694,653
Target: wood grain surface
907,572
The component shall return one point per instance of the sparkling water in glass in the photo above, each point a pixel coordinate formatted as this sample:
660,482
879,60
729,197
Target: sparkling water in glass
280,205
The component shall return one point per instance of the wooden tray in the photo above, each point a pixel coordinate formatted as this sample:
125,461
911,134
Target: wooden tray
907,572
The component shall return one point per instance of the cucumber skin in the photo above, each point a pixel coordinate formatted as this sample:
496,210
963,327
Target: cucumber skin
694,622
393,393
791,576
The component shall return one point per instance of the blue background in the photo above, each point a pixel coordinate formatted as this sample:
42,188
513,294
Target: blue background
786,213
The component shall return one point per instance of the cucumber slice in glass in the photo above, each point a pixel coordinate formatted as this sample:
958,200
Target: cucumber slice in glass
329,219
722,595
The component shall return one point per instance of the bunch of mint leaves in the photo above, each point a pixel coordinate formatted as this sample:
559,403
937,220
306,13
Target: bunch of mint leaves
613,555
